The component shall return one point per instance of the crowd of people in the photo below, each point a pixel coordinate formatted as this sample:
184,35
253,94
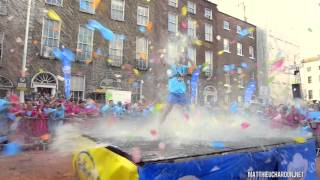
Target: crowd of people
40,116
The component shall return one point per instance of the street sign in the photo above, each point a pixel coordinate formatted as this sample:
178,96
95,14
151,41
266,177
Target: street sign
22,83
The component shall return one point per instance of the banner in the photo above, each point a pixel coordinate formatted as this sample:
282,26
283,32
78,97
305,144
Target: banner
297,159
194,84
118,96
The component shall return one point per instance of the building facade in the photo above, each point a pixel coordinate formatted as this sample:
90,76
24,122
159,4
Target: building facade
237,50
149,36
310,79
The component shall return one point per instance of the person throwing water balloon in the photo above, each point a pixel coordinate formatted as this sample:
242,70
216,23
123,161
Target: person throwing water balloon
176,89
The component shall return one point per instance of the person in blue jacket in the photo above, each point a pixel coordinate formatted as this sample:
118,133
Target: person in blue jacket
176,89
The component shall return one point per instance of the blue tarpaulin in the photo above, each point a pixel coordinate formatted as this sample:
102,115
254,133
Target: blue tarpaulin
314,115
293,158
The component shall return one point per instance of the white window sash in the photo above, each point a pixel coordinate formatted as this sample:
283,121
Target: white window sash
208,13
192,54
191,28
4,7
172,25
251,52
116,51
239,49
173,3
47,37
208,32
226,45
142,15
239,29
55,2
226,25
118,10
84,7
87,52
192,7
1,46
142,47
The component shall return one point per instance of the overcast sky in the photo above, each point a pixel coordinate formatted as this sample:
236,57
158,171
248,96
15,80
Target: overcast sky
297,21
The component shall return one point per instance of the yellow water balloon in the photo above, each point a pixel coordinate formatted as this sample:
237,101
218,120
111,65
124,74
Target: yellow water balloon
53,15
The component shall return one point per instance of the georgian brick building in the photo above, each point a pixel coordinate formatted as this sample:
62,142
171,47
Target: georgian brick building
148,35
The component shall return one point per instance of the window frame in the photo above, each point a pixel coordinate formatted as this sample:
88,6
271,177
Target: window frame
208,36
308,69
210,71
206,15
123,10
121,41
251,52
4,8
173,4
194,28
78,43
1,46
310,95
77,90
239,49
251,35
174,49
176,22
55,4
90,11
224,45
194,53
239,29
193,9
225,23
309,79
138,15
42,37
140,61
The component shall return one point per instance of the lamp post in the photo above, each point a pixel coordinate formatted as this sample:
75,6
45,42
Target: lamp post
25,49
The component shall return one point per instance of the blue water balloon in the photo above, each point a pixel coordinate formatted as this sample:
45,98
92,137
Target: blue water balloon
12,149
218,145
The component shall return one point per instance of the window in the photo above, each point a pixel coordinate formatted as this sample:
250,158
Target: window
239,49
308,69
251,52
77,87
319,76
227,78
192,55
3,7
251,34
239,29
192,8
85,44
142,16
173,3
116,50
173,53
319,67
172,22
50,37
117,10
191,28
87,6
1,46
309,79
226,45
209,62
226,25
55,2
310,95
208,32
208,13
142,53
